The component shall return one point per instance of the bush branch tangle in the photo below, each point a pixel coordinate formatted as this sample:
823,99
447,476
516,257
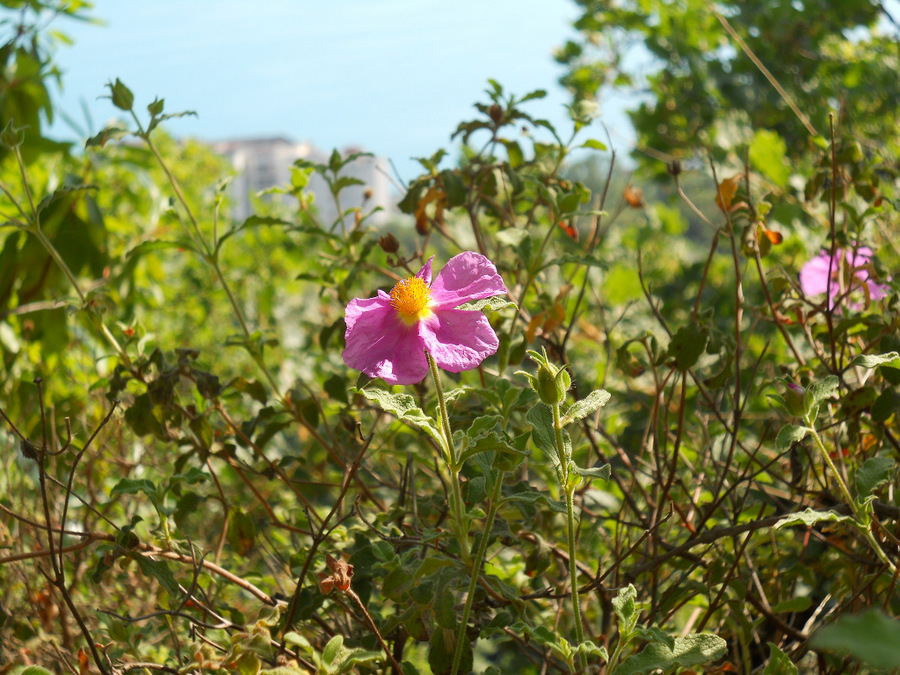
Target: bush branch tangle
565,411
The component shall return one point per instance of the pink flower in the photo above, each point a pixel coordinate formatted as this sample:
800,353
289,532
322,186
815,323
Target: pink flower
387,336
850,271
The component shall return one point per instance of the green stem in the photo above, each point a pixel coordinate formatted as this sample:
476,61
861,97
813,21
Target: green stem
455,494
863,521
569,489
573,574
211,256
476,571
34,227
449,454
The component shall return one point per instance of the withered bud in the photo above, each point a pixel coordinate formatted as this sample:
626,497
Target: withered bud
496,113
422,225
368,193
29,449
341,574
389,243
674,167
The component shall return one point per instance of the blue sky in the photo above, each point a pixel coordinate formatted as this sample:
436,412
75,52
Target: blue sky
392,76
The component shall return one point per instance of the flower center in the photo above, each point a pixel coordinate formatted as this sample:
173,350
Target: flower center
410,298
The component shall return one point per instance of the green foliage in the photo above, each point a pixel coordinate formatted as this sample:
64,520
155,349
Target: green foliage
695,468
871,637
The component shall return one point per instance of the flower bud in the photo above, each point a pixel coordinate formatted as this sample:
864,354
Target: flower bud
389,243
551,383
121,95
12,136
793,399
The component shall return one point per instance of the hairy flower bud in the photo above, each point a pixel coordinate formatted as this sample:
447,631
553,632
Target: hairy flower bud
793,399
551,383
389,243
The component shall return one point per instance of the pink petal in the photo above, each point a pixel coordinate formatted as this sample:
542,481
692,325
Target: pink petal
814,275
358,306
425,273
379,345
876,291
860,257
458,339
467,276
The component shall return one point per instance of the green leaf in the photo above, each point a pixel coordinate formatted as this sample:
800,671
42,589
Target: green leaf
810,518
873,473
687,345
111,133
594,144
779,663
602,472
133,486
494,303
691,650
35,670
627,610
440,652
871,637
887,404
142,420
332,649
544,436
768,155
816,393
790,434
590,403
798,604
159,570
355,656
654,634
404,408
241,532
888,360
592,651
512,236
542,432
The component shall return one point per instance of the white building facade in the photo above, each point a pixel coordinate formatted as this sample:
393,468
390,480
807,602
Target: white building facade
263,163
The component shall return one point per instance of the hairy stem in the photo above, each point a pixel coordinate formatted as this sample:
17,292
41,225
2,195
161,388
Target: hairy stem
863,521
455,494
476,571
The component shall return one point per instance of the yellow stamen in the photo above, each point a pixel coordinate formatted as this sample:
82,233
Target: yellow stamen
410,298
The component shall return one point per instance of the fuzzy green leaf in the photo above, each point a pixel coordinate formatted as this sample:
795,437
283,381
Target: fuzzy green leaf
809,518
871,637
790,434
590,403
869,476
691,650
888,360
404,408
779,663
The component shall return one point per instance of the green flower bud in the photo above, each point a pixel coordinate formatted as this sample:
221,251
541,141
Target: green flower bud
793,399
121,96
551,383
12,136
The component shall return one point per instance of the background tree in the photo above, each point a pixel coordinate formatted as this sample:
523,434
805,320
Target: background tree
837,56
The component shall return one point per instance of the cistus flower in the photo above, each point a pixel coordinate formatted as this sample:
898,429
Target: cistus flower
387,336
849,271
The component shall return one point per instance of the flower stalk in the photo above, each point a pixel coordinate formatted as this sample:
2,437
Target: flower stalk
460,522
862,519
476,572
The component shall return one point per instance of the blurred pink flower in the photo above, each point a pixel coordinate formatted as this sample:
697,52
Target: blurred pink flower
850,272
387,336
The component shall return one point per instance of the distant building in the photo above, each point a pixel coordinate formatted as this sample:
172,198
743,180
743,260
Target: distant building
263,163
